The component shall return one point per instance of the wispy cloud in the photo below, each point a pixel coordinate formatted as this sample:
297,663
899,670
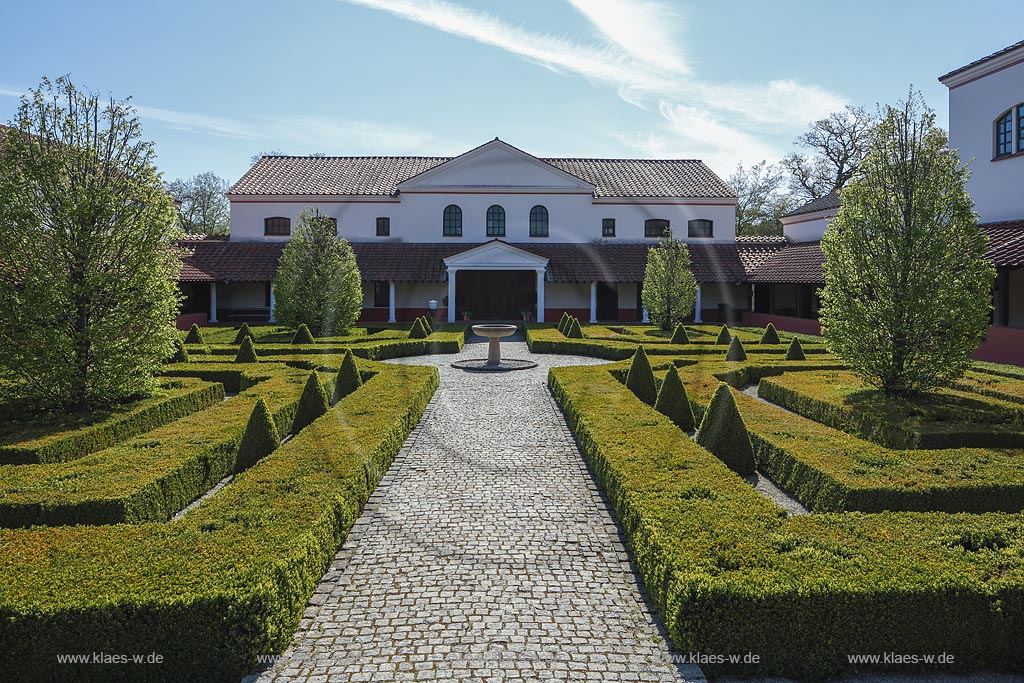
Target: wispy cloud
202,123
638,55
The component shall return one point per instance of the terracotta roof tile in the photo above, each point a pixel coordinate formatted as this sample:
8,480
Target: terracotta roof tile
380,176
799,263
997,53
210,260
1005,242
829,201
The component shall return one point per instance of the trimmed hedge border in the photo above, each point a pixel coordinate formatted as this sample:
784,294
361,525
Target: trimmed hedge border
729,573
187,397
226,583
153,476
894,434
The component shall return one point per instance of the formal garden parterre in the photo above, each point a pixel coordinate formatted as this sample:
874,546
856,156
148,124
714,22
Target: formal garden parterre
937,566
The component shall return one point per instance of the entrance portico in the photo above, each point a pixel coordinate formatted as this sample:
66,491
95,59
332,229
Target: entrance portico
501,291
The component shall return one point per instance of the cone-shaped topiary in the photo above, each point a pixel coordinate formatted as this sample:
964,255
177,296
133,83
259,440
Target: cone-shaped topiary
770,336
303,335
680,336
348,379
564,322
247,352
312,404
180,354
416,330
724,337
673,403
640,379
736,350
194,336
723,432
427,325
260,439
243,332
574,331
795,350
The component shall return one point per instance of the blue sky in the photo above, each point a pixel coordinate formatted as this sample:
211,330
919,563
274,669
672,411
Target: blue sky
219,81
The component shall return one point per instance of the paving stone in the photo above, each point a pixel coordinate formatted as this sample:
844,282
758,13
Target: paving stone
486,553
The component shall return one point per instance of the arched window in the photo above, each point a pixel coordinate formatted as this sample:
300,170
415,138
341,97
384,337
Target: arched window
700,227
452,226
538,221
1004,134
656,227
495,221
277,225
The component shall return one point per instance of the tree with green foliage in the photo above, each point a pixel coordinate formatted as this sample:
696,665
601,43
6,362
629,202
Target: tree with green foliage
194,336
795,350
736,351
180,354
907,286
247,352
771,335
640,378
574,331
723,432
312,403
761,199
260,439
318,281
89,258
673,402
203,206
303,335
724,337
416,330
348,379
669,288
680,336
244,332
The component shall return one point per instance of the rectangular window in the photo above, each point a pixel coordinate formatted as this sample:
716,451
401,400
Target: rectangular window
383,226
700,227
607,227
381,295
656,227
277,225
1004,135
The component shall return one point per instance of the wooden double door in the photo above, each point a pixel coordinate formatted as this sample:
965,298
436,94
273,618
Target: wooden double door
496,294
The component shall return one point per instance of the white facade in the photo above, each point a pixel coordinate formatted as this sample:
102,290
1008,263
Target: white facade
808,227
978,96
494,174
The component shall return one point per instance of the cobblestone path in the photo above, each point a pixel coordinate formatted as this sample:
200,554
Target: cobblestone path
486,553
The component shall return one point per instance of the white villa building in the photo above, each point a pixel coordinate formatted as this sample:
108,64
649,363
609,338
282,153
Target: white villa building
492,234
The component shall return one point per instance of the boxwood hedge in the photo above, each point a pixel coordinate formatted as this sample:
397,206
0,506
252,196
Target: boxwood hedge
227,582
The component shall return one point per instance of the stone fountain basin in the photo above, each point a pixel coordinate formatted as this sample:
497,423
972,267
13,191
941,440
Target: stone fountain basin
494,331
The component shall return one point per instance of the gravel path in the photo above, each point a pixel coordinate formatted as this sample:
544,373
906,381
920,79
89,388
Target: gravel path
485,553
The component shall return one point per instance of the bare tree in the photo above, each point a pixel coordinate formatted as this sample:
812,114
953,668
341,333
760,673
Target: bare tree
762,198
256,157
837,144
203,206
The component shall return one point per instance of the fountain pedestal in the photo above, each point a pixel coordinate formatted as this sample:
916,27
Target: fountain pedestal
494,362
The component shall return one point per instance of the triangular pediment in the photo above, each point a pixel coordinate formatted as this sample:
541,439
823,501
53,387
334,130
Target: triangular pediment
496,255
495,165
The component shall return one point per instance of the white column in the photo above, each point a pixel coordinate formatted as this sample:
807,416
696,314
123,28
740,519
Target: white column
540,295
645,318
697,307
451,293
391,302
593,302
273,303
213,302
